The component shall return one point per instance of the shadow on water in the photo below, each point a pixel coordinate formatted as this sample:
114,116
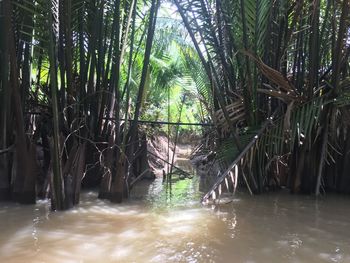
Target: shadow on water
174,227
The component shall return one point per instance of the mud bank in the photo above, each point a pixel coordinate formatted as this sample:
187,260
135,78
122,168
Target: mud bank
160,153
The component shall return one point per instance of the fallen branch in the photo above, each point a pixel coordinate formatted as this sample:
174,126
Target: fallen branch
221,179
188,174
138,177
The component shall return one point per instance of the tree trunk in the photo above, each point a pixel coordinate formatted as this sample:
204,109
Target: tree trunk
5,102
23,167
57,186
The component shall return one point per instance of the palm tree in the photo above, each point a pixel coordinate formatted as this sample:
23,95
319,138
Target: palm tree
275,50
68,88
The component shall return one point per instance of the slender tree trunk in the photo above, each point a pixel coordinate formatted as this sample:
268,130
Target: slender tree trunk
5,94
322,157
68,59
57,186
149,41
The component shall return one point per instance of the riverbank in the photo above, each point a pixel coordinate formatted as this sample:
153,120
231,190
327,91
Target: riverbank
161,153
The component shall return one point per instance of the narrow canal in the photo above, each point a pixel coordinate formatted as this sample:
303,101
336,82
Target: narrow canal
163,225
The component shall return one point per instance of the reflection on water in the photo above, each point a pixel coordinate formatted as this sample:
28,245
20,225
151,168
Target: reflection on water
174,227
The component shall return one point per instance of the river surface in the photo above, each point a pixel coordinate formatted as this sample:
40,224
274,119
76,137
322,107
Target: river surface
159,225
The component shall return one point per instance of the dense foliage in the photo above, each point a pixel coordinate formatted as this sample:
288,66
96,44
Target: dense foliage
77,76
286,59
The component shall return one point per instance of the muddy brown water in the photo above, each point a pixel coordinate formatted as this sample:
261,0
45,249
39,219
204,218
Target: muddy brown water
159,225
